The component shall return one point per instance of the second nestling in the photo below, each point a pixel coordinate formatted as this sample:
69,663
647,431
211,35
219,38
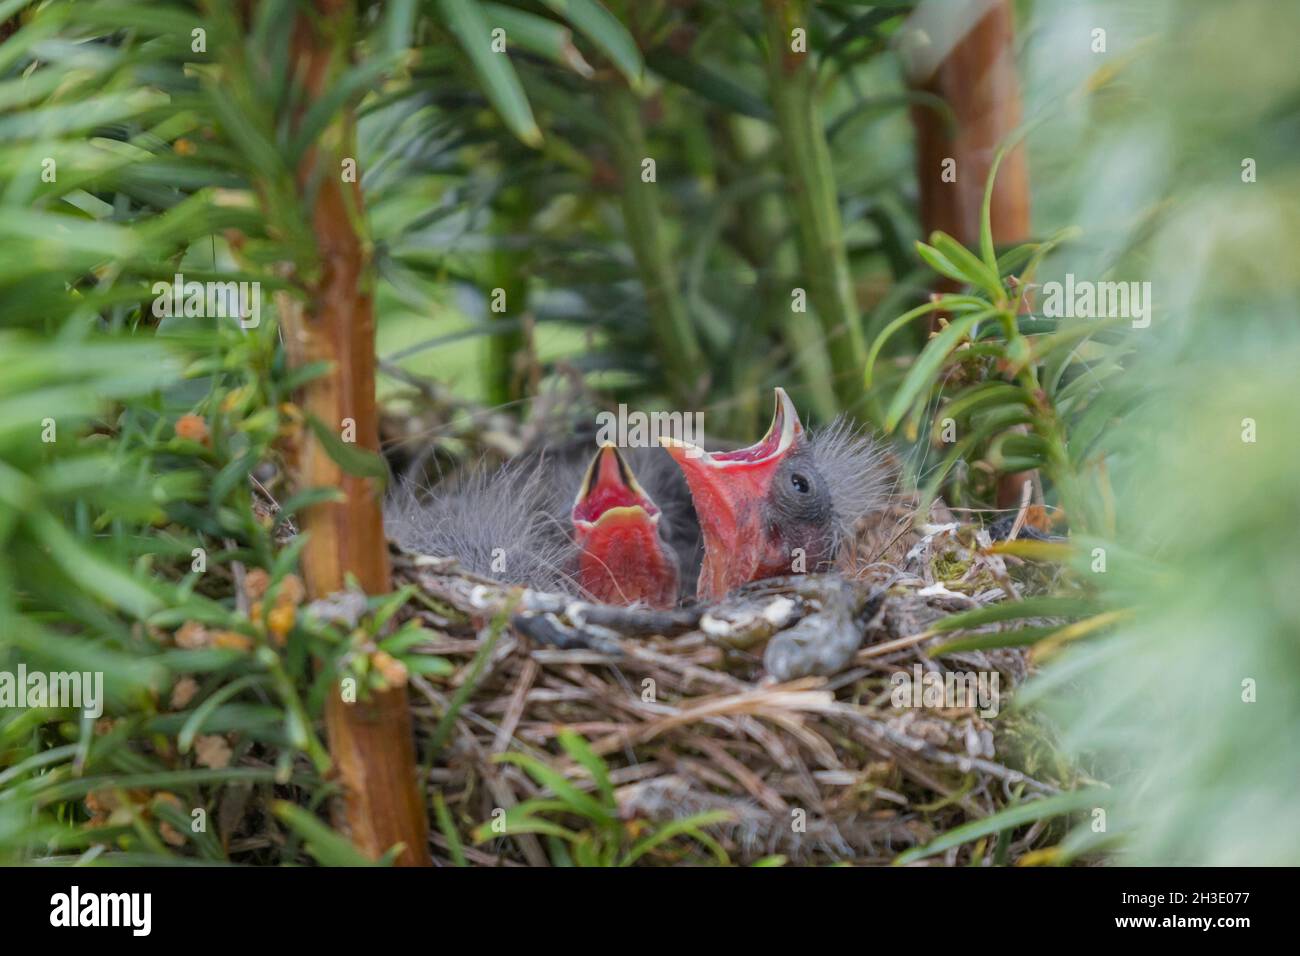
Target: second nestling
633,528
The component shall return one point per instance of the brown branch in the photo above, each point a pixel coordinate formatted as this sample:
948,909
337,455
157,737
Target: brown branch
965,55
371,740
975,73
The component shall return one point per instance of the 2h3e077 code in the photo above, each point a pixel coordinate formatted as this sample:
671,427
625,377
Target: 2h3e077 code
1217,898
1195,898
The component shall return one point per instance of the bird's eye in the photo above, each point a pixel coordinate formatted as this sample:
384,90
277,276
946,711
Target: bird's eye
800,483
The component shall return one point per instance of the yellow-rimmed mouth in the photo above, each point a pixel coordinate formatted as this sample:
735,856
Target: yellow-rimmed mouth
779,439
610,488
630,514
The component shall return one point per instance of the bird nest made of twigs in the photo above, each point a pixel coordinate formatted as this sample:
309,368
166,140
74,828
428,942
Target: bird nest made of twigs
806,718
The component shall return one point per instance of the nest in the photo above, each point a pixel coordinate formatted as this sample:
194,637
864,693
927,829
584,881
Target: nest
778,706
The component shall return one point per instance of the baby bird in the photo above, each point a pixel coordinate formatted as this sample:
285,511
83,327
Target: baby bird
545,522
621,557
782,505
497,524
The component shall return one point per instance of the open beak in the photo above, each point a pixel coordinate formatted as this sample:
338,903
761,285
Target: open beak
729,489
610,494
621,559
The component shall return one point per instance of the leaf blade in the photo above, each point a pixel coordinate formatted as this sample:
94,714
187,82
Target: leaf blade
500,81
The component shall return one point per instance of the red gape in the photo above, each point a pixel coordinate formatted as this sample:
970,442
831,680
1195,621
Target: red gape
730,490
621,558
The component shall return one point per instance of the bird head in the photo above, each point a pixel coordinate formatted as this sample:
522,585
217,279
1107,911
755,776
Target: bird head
779,506
621,557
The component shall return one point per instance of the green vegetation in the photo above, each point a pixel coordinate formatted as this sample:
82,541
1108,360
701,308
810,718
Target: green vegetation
146,503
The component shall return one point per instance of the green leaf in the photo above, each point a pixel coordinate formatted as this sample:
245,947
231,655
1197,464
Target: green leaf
429,664
259,151
165,780
1053,806
411,635
325,846
927,364
194,723
521,819
1010,452
448,719
35,762
604,30
259,719
1074,333
707,83
1041,606
980,275
578,748
399,24
286,559
1013,259
353,459
688,826
448,828
304,500
868,105
389,605
233,474
867,24
1020,637
941,264
581,803
494,70
356,81
987,252
984,396
106,581
947,303
546,38
303,374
